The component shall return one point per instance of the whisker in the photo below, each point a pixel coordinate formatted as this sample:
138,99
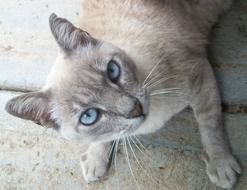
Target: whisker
127,158
164,79
112,147
152,79
141,144
143,153
163,89
115,162
160,93
154,180
145,171
166,91
152,70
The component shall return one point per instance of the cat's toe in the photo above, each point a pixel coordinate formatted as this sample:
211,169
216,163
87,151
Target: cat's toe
223,171
93,168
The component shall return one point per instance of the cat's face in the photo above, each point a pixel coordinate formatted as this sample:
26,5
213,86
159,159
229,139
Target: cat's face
96,94
93,91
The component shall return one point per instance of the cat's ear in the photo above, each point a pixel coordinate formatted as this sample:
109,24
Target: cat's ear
67,35
33,106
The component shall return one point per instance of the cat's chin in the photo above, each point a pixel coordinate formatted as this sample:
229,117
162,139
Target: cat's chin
130,130
123,133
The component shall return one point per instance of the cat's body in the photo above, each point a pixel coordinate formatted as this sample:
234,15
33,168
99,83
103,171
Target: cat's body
174,33
164,68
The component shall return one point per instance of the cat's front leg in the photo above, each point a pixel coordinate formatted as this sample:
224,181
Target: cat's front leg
95,161
205,101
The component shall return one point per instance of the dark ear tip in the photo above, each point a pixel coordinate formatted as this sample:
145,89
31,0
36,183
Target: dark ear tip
52,17
8,106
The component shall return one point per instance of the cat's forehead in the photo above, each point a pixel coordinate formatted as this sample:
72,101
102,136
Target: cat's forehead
92,58
84,62
87,64
82,77
80,74
78,77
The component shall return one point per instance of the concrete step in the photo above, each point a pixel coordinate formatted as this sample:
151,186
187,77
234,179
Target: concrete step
27,49
34,158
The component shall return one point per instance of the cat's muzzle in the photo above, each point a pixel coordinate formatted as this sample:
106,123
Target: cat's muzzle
137,110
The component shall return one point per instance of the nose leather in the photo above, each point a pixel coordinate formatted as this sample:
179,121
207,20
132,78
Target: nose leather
136,111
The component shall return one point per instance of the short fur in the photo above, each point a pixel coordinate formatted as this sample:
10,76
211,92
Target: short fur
160,46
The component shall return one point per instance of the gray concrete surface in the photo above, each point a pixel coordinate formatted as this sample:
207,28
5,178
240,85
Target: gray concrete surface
228,53
34,158
26,44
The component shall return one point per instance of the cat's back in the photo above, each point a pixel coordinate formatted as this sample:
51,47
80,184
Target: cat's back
101,17
148,25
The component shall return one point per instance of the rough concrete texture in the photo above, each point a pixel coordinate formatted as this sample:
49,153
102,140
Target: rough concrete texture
34,158
26,44
228,53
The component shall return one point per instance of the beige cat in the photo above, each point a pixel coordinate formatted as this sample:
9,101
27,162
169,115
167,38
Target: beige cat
141,62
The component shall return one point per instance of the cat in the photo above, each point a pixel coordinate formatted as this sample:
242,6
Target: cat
138,63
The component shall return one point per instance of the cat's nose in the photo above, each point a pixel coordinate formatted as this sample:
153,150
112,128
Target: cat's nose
136,111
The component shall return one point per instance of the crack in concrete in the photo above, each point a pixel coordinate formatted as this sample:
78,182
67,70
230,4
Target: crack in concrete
234,108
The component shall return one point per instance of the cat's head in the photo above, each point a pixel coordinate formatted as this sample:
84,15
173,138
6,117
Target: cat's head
93,92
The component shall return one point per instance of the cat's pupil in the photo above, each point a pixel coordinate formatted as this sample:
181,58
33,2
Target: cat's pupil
113,71
89,117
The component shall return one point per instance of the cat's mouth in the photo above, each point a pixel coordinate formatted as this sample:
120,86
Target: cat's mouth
129,130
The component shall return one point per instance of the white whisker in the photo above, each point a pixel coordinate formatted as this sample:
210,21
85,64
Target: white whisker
115,162
145,171
142,145
143,153
163,89
152,79
111,150
152,70
127,159
167,91
164,79
160,93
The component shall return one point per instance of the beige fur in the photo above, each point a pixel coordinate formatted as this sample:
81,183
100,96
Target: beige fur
160,46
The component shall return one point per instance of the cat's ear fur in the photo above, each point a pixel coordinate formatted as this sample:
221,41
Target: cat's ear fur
35,106
67,35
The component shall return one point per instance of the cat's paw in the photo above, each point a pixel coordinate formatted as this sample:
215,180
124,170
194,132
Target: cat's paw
222,171
93,167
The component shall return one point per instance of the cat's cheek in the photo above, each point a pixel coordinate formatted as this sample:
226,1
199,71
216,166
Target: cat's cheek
68,133
132,126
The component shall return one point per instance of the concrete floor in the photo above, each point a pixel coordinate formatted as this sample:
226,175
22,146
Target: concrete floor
34,158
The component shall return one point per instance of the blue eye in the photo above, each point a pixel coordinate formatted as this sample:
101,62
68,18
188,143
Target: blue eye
113,71
89,117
